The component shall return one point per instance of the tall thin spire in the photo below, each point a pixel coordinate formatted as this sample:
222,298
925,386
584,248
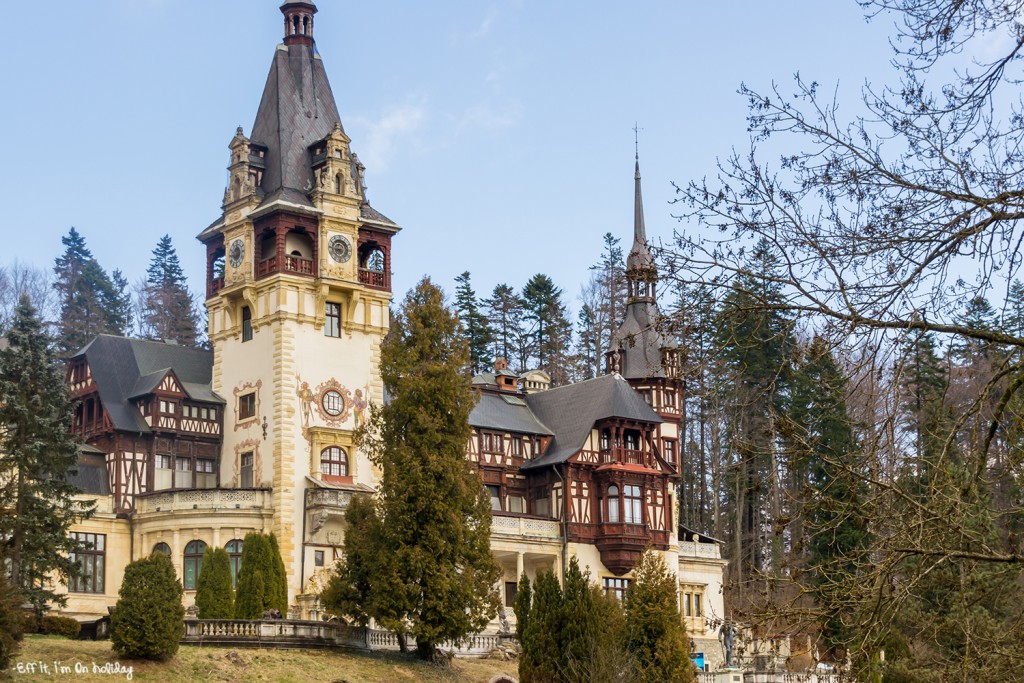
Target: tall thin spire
640,259
639,231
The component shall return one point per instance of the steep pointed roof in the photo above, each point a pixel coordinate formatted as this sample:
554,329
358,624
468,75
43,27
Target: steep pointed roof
297,109
639,256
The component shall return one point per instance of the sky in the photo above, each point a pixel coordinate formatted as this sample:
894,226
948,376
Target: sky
499,135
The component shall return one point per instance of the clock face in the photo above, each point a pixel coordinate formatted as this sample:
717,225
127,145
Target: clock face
339,248
236,253
332,402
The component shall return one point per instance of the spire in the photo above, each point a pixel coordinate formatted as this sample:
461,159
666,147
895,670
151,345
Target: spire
640,258
298,22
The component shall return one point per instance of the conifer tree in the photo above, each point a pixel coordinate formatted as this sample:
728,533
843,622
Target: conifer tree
349,590
121,309
37,455
550,330
256,590
88,300
542,657
279,578
579,621
429,562
167,309
654,630
214,595
11,626
148,620
475,325
521,606
505,314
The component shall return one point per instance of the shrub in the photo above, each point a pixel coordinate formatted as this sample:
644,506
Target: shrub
214,595
61,626
147,622
10,621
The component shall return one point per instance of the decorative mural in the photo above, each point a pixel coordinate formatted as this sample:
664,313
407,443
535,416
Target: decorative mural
330,403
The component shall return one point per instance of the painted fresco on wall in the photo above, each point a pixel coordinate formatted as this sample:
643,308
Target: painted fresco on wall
330,403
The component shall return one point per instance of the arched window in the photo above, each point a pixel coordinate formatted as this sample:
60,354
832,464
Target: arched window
337,184
162,548
334,461
633,500
613,504
234,549
193,563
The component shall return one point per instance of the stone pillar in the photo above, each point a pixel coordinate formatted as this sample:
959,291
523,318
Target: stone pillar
519,565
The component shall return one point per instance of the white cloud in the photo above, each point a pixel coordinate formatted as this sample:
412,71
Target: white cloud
398,124
490,117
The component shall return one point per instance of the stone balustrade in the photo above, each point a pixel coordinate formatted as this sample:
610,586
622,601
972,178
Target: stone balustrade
203,499
694,549
768,677
289,633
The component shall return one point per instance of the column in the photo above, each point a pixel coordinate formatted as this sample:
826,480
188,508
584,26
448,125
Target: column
519,565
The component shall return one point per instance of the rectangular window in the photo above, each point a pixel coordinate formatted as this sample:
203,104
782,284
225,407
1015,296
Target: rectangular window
247,406
205,476
332,320
246,324
632,505
670,399
495,493
615,587
517,447
318,558
163,475
542,507
245,478
167,407
687,611
183,473
516,504
696,604
669,451
91,561
511,588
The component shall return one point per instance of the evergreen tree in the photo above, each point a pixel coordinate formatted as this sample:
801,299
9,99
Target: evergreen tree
610,272
37,455
256,592
979,315
148,620
833,523
542,657
349,591
121,308
926,416
588,357
550,331
279,577
580,625
11,625
429,563
521,606
167,308
654,630
214,595
475,325
505,315
88,300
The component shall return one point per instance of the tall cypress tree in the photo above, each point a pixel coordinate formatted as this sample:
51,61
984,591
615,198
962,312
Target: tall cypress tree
475,324
214,595
37,455
429,562
542,655
167,307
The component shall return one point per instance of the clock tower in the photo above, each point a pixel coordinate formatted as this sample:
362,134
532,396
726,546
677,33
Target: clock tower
298,289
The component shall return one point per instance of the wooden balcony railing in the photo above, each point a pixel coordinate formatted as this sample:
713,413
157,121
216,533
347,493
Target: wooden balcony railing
377,279
292,264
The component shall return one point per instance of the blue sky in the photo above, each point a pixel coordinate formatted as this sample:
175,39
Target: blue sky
497,134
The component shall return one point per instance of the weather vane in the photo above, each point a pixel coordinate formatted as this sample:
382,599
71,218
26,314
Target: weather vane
636,138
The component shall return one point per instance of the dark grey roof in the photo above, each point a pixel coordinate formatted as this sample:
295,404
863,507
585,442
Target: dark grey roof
639,255
495,411
122,368
368,214
571,412
640,342
91,476
297,110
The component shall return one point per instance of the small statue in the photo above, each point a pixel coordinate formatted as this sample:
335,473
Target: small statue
503,626
727,636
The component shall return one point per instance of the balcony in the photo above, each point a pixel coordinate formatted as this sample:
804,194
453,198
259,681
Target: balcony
524,527
292,264
709,551
627,456
336,500
216,284
203,499
378,279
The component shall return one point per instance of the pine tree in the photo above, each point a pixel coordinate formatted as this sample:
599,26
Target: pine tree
505,314
37,454
121,309
430,565
654,630
87,297
542,656
148,620
167,309
979,315
11,618
610,272
550,331
475,325
214,595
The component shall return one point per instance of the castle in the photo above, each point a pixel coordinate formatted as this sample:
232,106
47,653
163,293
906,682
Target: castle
186,448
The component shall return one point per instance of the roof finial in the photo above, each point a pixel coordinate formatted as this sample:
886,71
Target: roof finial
636,141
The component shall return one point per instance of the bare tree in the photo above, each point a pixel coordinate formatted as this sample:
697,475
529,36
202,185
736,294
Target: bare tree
22,278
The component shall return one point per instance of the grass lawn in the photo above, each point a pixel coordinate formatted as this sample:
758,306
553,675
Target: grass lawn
194,663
